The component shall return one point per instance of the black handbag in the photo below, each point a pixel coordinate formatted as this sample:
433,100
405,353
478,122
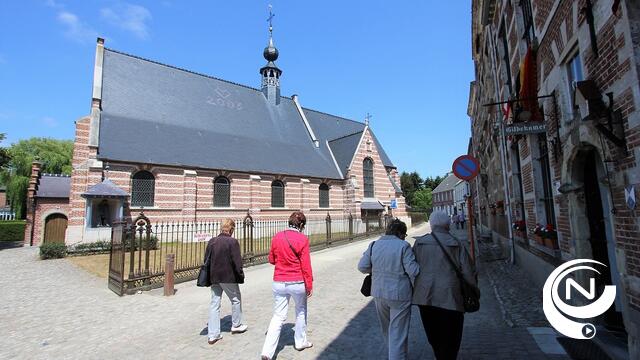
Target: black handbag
365,289
204,280
470,293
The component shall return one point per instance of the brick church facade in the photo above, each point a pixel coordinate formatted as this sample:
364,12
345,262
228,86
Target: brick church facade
188,147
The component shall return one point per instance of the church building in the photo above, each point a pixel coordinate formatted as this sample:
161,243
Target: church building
183,146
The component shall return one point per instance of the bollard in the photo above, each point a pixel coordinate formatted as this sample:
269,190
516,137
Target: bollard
168,275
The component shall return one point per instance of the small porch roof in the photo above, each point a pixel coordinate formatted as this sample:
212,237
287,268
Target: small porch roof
105,189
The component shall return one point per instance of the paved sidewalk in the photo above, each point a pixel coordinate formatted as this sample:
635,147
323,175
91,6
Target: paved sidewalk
51,309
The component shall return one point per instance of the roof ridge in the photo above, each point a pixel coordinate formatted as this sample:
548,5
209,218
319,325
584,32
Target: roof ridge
346,136
186,70
341,117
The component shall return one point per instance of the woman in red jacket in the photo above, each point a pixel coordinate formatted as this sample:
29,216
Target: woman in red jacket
292,277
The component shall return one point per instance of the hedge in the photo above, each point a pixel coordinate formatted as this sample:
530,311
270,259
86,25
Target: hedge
53,251
12,230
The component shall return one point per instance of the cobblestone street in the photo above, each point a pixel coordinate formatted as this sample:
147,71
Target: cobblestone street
51,309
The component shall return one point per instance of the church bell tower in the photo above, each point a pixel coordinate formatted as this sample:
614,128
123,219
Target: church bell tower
270,72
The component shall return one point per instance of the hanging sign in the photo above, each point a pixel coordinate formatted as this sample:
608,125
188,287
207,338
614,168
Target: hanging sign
630,196
525,128
466,167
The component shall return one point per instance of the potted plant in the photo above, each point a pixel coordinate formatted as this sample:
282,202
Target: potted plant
538,233
550,237
493,208
520,227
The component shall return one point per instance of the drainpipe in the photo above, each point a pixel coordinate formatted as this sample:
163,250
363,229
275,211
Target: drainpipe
507,201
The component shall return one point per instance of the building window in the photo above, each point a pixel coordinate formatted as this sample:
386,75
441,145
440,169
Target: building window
277,194
546,180
574,74
143,187
367,169
324,195
221,192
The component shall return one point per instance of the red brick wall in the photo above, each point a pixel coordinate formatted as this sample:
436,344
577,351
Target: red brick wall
44,208
3,199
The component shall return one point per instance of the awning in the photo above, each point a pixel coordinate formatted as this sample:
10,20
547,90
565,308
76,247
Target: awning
371,205
105,189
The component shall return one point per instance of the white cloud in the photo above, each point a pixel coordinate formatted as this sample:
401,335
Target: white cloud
49,122
75,29
131,18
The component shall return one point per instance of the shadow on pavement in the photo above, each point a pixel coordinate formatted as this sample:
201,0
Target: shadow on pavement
10,244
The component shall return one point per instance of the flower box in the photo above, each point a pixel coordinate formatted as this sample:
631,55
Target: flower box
538,239
551,243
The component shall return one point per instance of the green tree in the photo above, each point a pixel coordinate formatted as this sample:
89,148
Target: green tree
4,154
423,200
432,182
410,183
55,156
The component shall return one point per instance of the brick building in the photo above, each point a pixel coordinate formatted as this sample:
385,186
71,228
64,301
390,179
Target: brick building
183,146
443,196
572,66
47,207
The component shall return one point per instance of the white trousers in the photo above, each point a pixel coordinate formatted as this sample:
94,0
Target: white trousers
233,292
394,319
282,292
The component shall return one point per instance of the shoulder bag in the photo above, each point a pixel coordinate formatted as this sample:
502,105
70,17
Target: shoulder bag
365,289
470,293
204,280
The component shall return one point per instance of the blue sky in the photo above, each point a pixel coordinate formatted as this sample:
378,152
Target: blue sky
408,63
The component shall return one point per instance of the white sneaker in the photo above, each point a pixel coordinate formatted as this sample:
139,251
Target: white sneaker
305,346
239,330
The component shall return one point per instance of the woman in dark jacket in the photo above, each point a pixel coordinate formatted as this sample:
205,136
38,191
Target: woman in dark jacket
225,273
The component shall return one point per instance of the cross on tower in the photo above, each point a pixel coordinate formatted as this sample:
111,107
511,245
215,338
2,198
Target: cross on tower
367,119
270,18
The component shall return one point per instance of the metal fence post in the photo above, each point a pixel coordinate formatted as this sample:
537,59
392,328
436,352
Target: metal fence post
328,222
247,236
350,226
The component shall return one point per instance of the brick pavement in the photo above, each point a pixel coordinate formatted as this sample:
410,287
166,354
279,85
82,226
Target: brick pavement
50,309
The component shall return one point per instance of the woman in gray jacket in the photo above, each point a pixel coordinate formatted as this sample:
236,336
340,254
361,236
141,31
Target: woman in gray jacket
393,268
437,289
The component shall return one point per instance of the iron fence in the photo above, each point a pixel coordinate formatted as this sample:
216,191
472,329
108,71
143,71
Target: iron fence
139,249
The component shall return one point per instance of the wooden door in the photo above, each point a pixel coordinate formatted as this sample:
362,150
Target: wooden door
55,228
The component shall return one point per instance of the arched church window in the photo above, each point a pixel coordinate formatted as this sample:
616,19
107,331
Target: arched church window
277,194
143,186
367,170
221,192
324,195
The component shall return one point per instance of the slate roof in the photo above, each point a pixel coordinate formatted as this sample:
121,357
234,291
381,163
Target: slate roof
54,186
105,189
159,114
447,184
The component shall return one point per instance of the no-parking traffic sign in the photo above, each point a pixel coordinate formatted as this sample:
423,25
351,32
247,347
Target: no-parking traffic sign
466,167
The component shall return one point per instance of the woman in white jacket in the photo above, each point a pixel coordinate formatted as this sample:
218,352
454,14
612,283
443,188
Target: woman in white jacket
393,268
437,289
